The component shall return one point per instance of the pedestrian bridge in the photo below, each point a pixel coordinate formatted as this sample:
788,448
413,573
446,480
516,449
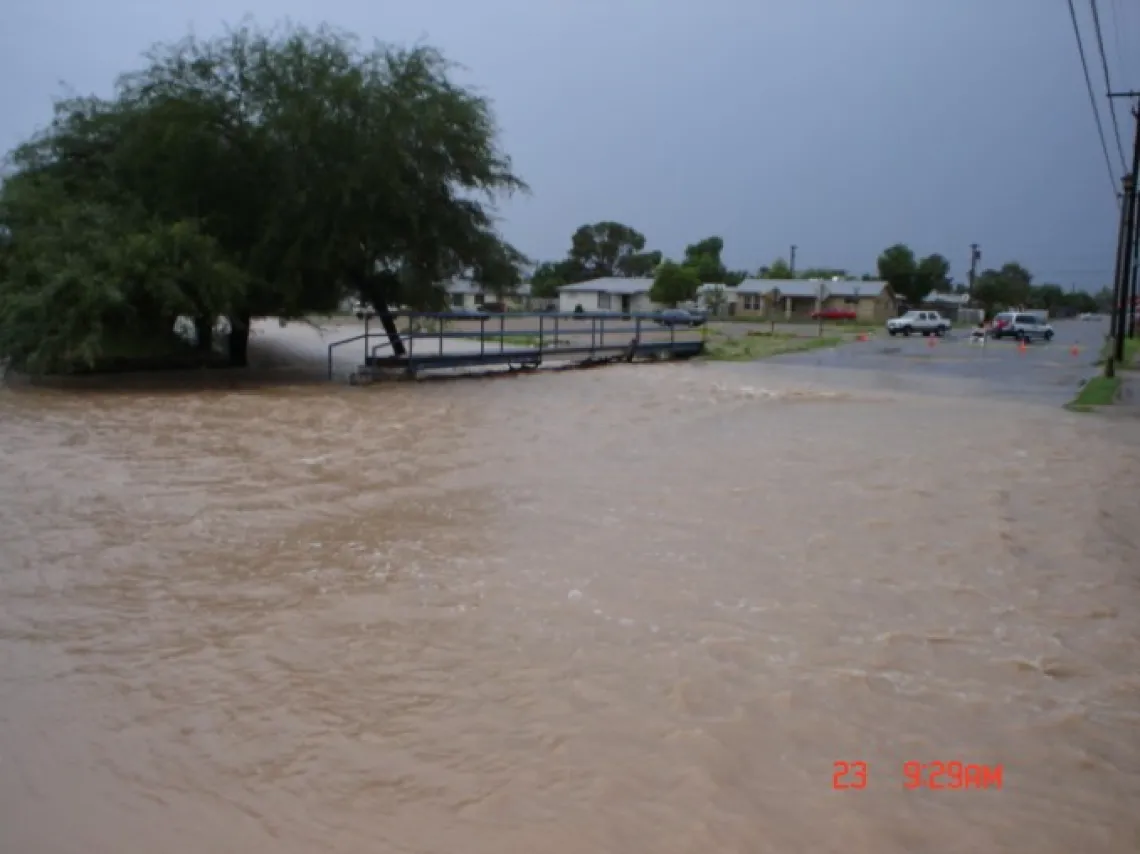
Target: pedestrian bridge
443,341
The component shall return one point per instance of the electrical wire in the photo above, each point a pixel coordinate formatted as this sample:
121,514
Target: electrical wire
1117,28
1107,83
1092,98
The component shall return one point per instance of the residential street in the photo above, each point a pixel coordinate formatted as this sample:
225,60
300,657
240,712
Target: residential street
1047,371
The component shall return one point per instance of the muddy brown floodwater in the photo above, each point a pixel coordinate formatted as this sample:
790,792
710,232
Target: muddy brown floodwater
640,609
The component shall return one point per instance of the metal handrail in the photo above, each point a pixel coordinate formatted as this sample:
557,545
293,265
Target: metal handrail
551,325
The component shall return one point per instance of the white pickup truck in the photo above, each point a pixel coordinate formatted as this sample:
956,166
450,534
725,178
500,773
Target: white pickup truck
926,322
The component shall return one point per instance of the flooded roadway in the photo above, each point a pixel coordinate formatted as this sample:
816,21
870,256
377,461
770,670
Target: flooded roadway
643,608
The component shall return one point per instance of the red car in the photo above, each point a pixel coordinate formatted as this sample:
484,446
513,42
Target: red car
834,314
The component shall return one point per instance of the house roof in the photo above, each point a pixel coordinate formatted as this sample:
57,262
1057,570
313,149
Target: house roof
855,288
805,288
948,299
786,287
461,286
609,285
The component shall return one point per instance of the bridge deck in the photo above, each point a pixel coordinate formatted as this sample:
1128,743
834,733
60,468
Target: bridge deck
460,341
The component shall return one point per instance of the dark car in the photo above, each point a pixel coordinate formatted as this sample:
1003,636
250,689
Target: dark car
473,313
679,317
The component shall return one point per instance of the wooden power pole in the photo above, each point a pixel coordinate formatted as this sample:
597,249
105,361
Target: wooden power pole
1125,299
975,257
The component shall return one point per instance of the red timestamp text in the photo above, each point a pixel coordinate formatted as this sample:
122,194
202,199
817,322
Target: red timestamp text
923,775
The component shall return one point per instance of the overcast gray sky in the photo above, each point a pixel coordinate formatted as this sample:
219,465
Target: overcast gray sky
839,125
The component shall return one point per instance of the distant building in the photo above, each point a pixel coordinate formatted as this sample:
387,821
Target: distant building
798,299
608,294
464,294
949,305
717,299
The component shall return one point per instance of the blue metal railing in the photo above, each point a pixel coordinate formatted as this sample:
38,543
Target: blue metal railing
550,335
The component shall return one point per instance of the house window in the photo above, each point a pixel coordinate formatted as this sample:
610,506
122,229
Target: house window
753,302
479,299
604,301
457,300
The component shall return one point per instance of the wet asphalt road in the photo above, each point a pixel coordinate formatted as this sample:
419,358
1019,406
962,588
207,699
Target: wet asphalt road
1049,372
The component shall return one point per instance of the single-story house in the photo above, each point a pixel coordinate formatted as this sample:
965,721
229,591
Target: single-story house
798,299
717,299
464,294
777,298
873,302
608,294
953,306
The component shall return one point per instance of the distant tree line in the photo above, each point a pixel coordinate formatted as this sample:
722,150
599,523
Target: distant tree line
251,175
994,289
613,249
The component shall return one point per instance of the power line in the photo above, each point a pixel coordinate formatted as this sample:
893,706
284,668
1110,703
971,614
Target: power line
1107,83
1092,97
1122,66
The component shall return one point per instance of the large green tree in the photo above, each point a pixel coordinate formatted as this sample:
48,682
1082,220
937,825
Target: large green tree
913,278
1008,287
898,267
255,174
611,249
933,274
674,283
704,259
778,269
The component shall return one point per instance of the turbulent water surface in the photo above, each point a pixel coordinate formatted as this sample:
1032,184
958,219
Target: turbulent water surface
640,609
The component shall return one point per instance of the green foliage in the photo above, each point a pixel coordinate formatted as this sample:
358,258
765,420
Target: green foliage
674,283
823,273
1098,391
703,258
933,274
779,269
1012,285
898,268
259,173
610,249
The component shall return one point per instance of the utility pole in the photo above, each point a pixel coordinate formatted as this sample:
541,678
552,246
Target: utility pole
1109,367
1124,289
1133,309
975,257
792,260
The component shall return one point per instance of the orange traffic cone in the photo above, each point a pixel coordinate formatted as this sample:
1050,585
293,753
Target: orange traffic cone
1074,350
1021,346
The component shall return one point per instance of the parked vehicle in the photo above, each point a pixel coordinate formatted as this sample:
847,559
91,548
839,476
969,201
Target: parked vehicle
1020,326
362,309
678,317
1090,316
835,314
926,322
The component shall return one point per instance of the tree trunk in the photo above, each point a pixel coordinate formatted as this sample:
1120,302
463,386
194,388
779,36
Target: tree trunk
239,341
204,333
377,290
389,324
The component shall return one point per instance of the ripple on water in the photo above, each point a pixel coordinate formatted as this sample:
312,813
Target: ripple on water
631,609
